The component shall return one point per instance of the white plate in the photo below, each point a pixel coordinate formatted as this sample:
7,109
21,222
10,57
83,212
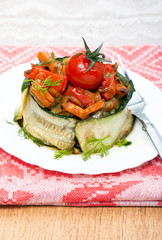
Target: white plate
119,159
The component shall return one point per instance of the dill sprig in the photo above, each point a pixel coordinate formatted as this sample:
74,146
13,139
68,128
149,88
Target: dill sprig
107,74
23,132
123,142
64,152
11,123
43,64
104,151
46,83
53,61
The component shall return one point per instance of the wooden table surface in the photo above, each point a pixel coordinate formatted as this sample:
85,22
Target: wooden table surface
72,223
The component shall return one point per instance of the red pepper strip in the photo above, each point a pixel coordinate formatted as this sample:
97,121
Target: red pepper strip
108,83
31,74
84,96
112,69
111,90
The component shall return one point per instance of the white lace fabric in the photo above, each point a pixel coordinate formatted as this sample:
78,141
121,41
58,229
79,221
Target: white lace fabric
63,22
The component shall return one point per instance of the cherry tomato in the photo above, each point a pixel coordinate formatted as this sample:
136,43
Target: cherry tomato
78,75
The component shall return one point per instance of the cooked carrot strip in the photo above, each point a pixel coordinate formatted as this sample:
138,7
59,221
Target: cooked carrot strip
94,107
45,99
54,92
39,98
76,110
63,70
49,97
97,96
75,101
112,104
45,57
89,94
121,90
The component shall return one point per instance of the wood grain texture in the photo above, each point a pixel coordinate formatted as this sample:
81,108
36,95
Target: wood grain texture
74,223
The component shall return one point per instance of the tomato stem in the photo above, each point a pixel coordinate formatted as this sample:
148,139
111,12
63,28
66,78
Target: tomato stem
94,56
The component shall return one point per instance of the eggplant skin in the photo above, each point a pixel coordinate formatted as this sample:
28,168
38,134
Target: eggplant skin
49,129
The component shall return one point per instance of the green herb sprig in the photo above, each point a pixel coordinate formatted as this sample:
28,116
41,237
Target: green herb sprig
11,123
123,142
42,63
23,132
46,83
96,142
53,60
60,153
94,56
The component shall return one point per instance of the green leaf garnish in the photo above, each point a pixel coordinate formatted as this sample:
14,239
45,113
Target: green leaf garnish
11,123
61,59
107,74
53,60
46,83
94,56
43,64
23,132
60,153
95,141
123,142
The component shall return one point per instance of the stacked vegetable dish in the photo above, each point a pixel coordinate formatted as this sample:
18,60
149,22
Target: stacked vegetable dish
77,104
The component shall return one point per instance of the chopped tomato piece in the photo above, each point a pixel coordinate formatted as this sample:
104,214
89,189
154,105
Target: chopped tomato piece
108,86
85,97
110,91
112,69
31,74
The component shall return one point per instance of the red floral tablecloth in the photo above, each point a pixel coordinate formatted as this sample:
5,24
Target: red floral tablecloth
25,184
